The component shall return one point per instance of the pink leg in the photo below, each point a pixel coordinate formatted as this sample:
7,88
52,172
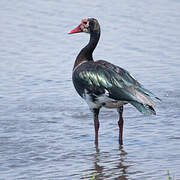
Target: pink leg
96,124
120,123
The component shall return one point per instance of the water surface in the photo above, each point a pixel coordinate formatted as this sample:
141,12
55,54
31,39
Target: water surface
46,129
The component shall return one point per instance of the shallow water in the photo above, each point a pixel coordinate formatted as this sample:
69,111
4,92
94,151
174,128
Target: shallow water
46,129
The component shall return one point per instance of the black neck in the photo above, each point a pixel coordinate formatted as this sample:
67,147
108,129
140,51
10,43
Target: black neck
86,54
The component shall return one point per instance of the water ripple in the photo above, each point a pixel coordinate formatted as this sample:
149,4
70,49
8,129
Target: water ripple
46,129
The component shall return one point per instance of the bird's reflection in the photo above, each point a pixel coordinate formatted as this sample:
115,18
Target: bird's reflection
97,167
108,165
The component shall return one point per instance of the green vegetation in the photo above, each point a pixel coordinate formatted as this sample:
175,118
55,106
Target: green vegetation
169,176
93,178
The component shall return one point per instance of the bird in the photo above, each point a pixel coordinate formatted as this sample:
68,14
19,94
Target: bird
103,84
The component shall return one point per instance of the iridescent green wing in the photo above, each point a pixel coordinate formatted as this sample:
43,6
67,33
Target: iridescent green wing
127,78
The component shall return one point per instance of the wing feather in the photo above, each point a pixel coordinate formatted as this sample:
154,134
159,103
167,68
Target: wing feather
100,76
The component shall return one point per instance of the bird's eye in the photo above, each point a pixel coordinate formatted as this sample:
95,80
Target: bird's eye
85,22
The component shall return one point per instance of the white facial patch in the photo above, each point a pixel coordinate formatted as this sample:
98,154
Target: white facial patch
84,27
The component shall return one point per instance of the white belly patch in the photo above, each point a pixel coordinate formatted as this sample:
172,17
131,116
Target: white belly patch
102,100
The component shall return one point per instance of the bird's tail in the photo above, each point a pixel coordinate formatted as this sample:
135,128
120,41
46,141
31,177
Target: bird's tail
143,108
147,92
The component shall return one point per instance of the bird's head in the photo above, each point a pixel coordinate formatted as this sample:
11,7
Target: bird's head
89,25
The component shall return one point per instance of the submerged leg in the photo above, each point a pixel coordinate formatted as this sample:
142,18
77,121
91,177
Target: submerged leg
120,123
96,124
